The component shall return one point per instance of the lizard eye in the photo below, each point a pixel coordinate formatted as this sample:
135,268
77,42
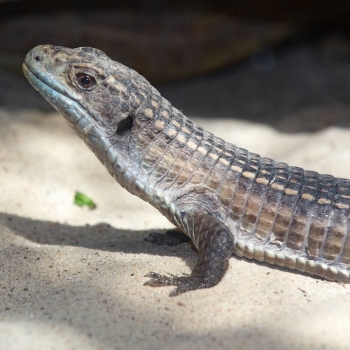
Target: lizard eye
85,81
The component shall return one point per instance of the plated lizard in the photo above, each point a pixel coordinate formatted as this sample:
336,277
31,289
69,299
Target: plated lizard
226,199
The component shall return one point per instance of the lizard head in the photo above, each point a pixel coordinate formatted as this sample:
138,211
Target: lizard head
98,97
85,84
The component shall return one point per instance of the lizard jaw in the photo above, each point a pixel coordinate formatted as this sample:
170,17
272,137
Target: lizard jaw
79,119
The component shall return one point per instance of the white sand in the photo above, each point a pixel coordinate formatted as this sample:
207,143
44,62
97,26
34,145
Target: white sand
65,285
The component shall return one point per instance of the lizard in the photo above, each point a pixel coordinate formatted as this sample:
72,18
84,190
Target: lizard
225,199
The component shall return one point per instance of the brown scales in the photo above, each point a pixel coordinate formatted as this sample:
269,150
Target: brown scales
286,214
263,196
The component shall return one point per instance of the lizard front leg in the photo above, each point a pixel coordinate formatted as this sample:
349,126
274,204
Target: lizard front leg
215,244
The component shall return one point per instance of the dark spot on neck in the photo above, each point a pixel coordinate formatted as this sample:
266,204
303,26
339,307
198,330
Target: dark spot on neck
124,127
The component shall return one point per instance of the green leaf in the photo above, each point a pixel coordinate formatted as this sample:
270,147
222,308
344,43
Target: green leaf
81,199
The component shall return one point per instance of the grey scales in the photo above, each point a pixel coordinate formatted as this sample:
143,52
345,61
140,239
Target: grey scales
226,199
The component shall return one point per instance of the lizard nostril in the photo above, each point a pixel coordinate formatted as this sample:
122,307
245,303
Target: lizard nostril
37,58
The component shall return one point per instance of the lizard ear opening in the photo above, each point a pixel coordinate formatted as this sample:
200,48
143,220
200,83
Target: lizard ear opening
124,126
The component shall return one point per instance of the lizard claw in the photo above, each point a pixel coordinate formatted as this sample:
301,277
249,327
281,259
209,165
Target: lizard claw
158,280
183,284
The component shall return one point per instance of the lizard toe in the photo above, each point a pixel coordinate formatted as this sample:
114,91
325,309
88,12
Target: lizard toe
158,280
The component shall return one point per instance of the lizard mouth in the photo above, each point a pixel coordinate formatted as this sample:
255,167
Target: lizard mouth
34,81
50,94
48,89
76,116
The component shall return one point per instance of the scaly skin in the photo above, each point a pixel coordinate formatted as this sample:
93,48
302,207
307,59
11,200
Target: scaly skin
226,199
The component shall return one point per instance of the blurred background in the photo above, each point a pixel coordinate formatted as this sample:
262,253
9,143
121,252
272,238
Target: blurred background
285,63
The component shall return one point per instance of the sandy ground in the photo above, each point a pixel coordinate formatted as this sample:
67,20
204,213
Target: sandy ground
72,278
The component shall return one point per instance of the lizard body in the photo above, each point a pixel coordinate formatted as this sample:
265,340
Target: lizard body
226,199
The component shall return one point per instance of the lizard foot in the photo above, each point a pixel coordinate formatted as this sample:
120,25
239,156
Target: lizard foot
183,284
215,247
